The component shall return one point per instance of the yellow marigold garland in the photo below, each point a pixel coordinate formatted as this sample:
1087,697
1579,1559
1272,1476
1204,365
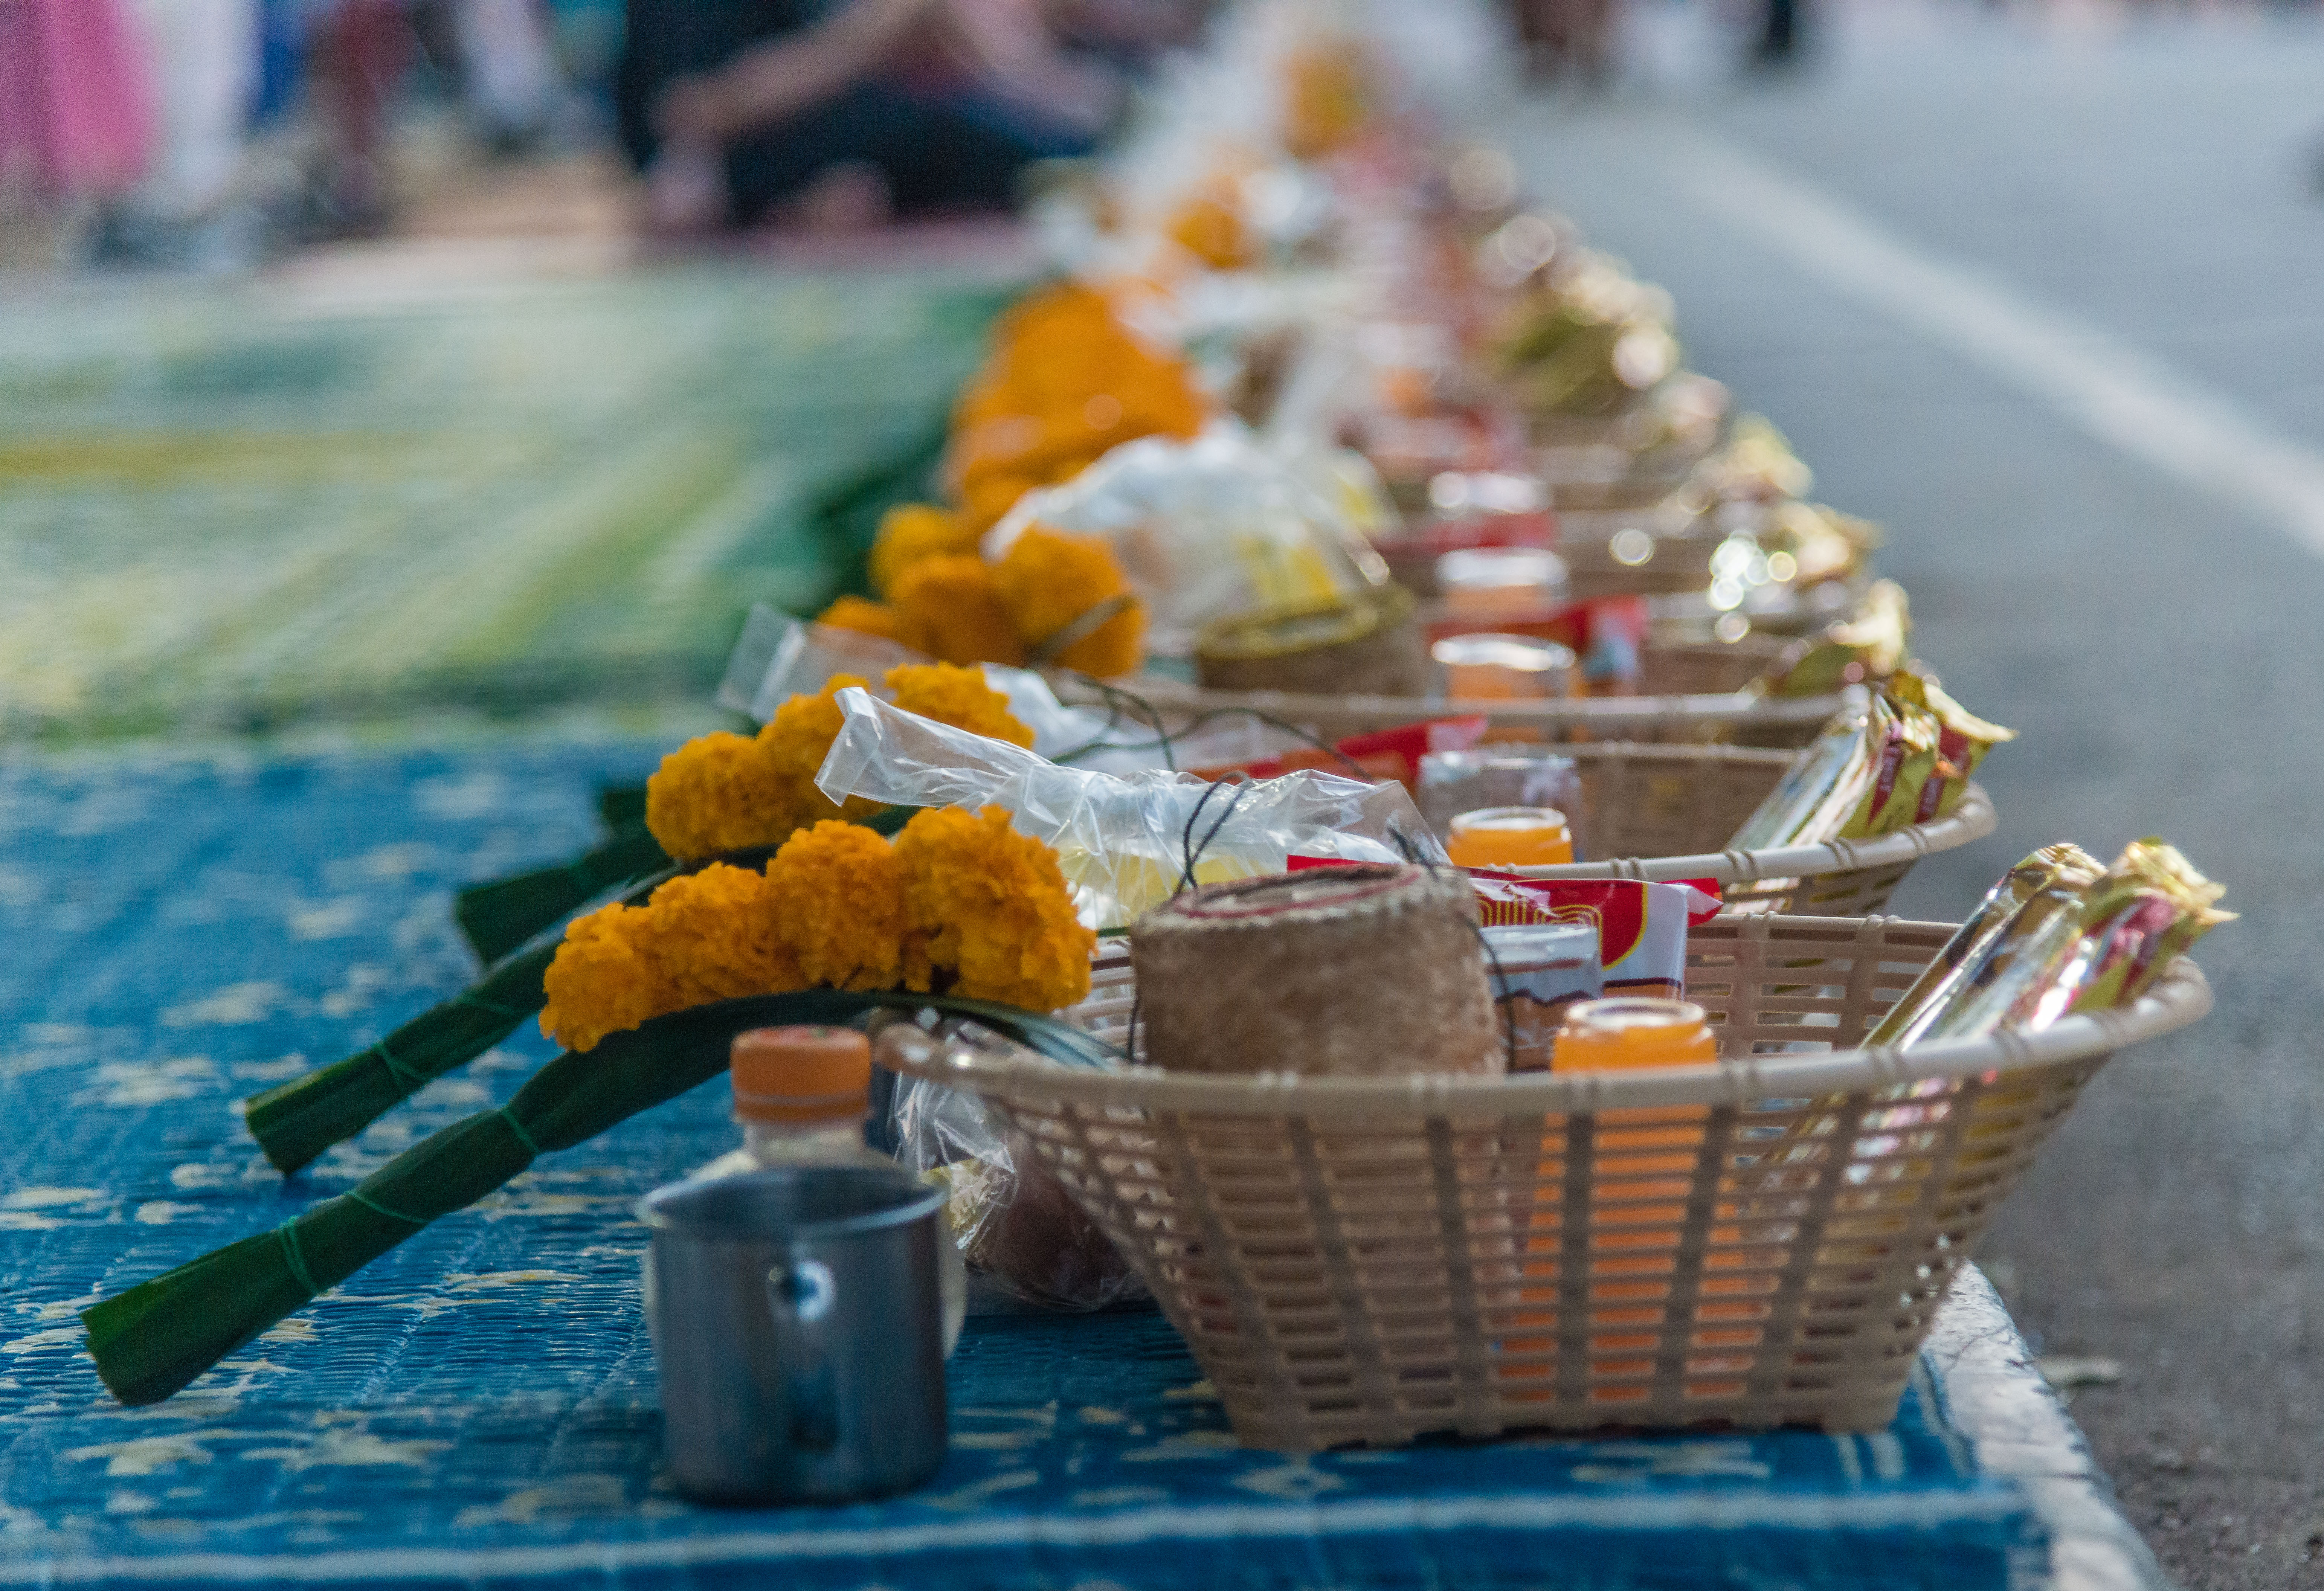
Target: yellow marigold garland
1048,580
959,697
959,903
989,907
911,531
713,938
1066,383
704,936
956,607
598,984
865,617
947,608
842,905
717,792
725,792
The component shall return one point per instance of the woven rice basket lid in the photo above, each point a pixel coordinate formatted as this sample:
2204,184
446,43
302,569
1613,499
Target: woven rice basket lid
1369,971
1364,642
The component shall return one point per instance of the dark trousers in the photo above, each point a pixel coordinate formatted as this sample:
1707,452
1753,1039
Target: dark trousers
935,152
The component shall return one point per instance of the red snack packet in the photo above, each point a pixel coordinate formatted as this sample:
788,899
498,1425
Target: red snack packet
1641,927
1383,754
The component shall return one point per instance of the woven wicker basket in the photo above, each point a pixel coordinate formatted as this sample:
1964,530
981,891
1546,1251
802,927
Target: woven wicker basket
1706,668
1662,811
1721,714
1659,813
1756,1243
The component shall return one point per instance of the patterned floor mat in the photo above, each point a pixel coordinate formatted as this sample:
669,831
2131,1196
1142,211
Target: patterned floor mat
230,506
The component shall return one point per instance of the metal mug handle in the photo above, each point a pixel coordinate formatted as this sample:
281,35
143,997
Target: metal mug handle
800,1294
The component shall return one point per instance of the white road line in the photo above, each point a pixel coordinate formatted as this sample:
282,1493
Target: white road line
2119,395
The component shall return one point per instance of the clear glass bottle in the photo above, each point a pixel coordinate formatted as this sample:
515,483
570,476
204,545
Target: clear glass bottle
800,1095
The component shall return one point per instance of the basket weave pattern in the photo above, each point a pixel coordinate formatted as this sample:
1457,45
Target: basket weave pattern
1370,1260
1685,801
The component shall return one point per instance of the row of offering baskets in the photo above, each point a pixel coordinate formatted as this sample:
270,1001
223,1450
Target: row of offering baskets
1359,1250
1330,474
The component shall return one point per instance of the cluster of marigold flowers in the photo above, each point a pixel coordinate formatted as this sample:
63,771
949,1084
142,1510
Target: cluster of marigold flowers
1066,382
957,903
726,792
1025,607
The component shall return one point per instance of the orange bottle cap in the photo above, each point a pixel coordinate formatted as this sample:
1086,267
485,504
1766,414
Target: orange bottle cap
801,1074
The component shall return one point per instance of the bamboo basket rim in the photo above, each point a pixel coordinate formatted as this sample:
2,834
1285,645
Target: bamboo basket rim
1593,712
2182,997
1973,819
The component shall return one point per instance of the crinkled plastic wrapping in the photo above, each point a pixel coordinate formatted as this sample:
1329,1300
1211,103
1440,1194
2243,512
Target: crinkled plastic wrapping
1122,839
1204,529
778,656
1015,1223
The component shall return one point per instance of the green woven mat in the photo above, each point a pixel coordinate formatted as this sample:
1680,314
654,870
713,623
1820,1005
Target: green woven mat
237,506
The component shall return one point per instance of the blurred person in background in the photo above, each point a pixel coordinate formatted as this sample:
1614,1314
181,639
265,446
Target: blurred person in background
1561,36
739,111
191,207
500,54
76,108
357,51
1781,23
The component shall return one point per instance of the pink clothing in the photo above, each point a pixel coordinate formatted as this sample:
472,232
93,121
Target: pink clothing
76,106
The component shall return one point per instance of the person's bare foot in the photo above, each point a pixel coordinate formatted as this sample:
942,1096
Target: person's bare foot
685,191
850,196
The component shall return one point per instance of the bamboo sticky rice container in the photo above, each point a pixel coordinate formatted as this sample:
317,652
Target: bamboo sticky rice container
1352,972
1369,643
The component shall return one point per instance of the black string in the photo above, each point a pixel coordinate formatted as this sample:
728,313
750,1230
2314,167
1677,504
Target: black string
1118,700
1500,976
1193,852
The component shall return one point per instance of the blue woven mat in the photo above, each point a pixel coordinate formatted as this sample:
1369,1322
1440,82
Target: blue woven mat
478,1407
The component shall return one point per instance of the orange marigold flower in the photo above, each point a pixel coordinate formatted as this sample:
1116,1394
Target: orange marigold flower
1048,581
1328,98
864,616
721,792
840,891
710,935
957,696
795,741
1065,382
717,793
598,984
1209,225
989,909
952,612
703,937
911,531
986,496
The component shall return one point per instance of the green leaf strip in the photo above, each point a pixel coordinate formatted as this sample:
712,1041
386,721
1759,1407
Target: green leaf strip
158,1336
297,1120
498,916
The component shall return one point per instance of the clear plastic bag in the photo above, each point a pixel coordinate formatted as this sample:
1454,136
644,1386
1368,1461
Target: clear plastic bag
780,657
1204,529
1123,840
1016,1225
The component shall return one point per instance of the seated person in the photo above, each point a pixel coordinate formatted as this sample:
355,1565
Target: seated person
738,110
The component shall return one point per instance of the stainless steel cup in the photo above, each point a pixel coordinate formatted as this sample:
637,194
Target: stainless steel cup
799,1328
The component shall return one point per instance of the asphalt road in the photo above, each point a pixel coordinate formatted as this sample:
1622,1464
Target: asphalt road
2046,297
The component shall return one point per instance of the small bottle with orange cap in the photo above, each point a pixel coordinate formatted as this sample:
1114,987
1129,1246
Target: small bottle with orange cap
801,1095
